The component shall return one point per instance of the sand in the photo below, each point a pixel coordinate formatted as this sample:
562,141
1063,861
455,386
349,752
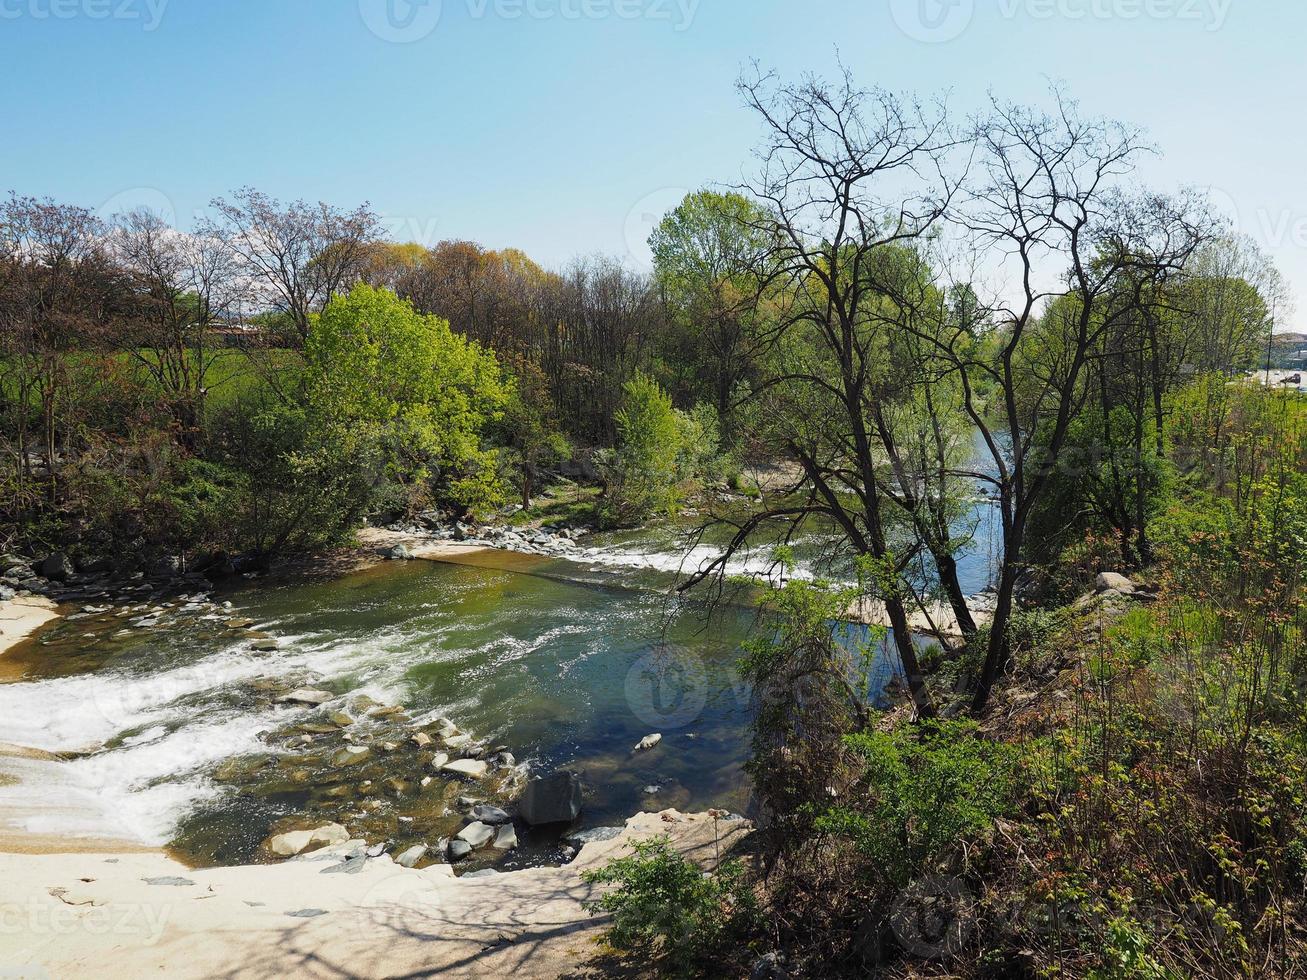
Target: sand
21,617
135,915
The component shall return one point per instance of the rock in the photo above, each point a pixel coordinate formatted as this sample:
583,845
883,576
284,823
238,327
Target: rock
504,759
459,849
439,760
165,568
307,913
457,741
505,838
306,695
409,857
490,814
1108,581
239,624
398,552
652,790
264,646
771,966
555,798
351,755
352,865
56,567
296,841
476,834
481,873
647,743
171,881
340,719
472,768
422,739
583,837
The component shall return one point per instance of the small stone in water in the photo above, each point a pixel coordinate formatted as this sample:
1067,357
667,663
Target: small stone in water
648,742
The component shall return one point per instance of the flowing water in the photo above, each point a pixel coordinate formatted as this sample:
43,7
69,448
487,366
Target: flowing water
174,735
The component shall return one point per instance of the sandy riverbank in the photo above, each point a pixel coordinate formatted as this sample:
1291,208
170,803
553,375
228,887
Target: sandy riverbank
21,617
134,915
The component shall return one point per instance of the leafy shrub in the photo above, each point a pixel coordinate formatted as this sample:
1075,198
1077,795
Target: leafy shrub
924,788
665,904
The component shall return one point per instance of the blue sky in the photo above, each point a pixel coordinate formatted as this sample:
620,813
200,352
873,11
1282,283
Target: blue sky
565,126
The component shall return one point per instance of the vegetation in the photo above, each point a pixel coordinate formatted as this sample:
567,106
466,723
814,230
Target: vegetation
664,904
1095,778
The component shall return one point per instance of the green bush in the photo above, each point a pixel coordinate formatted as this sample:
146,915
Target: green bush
924,788
665,904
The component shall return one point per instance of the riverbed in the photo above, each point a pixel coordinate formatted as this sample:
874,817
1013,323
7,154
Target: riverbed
174,735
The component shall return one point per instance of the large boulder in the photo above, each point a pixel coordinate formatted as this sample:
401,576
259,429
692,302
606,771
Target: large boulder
56,567
555,798
1114,581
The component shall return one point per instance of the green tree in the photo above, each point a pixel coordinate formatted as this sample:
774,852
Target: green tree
641,474
708,254
430,395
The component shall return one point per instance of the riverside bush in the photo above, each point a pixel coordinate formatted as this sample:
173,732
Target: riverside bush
923,789
664,904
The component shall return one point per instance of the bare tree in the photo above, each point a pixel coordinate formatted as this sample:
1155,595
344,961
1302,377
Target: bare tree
57,293
298,255
184,287
849,181
1051,195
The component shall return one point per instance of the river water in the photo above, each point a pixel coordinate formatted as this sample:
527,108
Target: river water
174,734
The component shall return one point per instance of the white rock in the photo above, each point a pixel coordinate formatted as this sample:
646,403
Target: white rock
410,857
292,843
505,838
647,743
474,768
1114,580
476,834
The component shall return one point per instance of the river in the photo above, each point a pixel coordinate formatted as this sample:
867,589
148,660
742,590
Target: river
174,736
